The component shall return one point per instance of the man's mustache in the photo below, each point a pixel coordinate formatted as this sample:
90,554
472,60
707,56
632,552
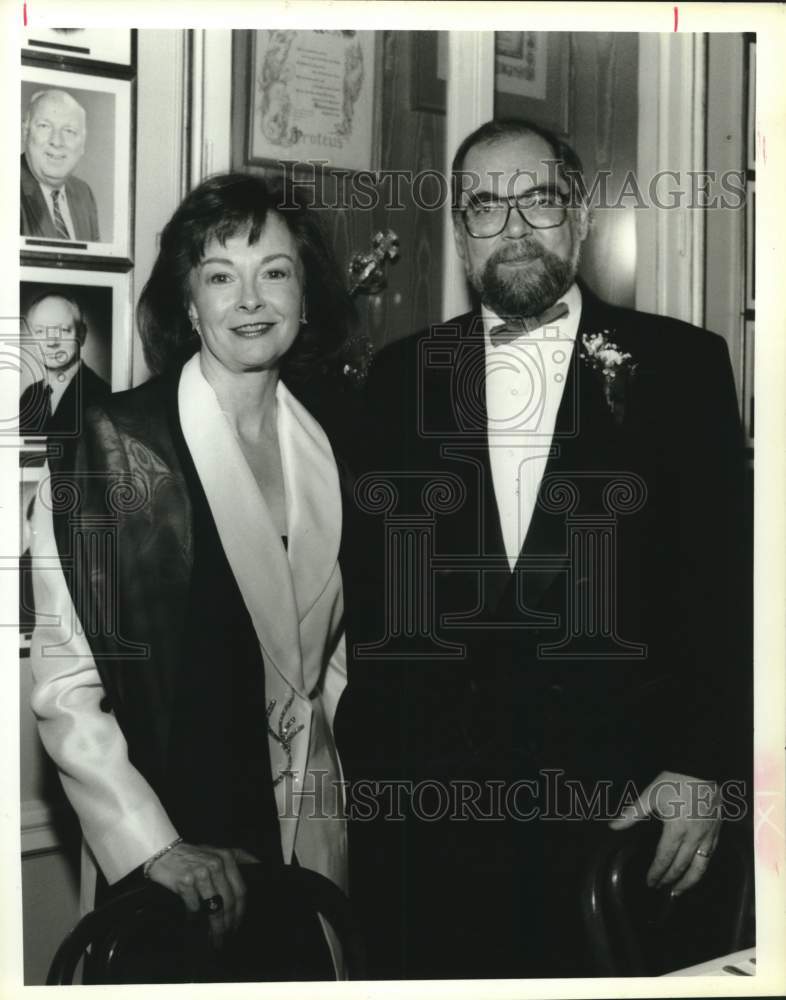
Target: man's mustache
518,253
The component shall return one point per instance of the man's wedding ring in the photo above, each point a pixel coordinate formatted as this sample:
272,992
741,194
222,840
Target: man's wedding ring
703,854
214,904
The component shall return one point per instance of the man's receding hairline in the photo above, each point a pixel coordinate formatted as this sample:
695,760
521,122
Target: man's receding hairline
497,140
54,94
76,312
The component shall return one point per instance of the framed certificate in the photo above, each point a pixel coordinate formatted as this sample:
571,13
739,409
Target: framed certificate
310,96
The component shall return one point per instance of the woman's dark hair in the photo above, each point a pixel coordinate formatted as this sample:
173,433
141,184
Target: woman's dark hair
221,207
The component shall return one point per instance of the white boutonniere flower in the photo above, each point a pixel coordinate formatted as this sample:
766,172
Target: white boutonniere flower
616,368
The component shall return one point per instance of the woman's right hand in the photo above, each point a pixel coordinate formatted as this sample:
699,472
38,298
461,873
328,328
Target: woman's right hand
198,873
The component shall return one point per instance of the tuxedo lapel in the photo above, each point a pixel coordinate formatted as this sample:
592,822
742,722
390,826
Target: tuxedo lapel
468,424
583,436
466,430
543,555
584,433
249,538
293,595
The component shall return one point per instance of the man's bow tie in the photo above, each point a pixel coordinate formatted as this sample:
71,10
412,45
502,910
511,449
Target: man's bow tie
514,328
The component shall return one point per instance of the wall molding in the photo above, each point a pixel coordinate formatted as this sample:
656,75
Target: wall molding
210,104
37,828
161,147
724,291
670,242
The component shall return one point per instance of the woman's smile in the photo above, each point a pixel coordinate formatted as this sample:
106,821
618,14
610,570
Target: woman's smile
250,330
247,299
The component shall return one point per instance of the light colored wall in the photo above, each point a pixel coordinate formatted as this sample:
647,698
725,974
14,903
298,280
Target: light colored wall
51,909
161,152
50,861
604,127
724,292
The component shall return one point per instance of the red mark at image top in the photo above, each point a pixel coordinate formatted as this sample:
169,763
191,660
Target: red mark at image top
676,17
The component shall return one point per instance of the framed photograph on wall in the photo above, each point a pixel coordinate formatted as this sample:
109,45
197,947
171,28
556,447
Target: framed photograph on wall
75,346
96,49
76,167
532,77
311,96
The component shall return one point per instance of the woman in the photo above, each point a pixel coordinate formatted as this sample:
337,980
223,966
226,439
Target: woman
190,710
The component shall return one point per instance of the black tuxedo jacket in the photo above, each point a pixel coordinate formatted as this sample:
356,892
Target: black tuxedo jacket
35,219
659,486
616,650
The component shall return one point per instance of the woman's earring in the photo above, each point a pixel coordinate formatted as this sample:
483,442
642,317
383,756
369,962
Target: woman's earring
303,317
195,325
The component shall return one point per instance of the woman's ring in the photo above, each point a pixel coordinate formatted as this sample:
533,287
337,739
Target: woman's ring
703,854
213,905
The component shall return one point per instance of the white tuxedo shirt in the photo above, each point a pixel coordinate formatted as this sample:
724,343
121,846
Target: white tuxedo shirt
525,379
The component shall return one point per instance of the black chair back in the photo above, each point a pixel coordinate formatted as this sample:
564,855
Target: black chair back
146,935
637,931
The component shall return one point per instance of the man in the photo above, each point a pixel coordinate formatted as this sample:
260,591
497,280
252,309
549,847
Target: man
54,333
544,608
54,404
54,203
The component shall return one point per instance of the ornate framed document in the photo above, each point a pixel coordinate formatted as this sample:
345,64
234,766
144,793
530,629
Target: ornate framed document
311,97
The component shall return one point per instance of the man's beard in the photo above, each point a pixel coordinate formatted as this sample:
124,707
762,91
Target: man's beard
528,289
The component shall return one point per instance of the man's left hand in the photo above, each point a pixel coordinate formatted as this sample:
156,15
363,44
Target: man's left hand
690,810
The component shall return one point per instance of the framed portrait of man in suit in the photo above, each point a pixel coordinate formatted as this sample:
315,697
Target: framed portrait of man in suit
75,167
74,349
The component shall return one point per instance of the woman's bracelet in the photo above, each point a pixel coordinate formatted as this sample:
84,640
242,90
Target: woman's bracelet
159,854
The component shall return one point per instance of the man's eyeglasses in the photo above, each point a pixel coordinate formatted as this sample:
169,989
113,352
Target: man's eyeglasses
52,332
539,209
